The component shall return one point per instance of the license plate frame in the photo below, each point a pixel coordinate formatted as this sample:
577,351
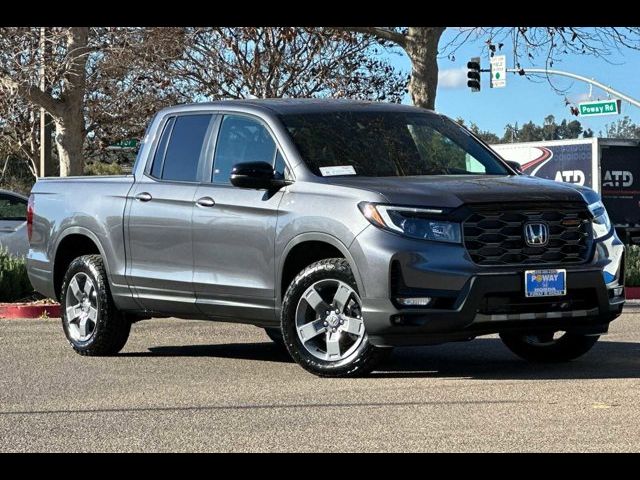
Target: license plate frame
542,283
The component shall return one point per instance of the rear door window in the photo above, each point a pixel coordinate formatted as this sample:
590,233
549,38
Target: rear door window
180,148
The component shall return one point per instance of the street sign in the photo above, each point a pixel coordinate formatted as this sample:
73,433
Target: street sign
601,107
124,144
498,71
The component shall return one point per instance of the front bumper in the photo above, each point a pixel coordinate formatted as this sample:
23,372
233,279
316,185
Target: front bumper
471,300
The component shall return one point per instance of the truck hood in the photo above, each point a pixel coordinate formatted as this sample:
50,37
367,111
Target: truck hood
450,191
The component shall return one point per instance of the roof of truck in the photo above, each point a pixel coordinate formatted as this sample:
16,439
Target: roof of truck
304,105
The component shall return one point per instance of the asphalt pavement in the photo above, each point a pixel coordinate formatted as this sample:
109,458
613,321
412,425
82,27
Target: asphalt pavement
184,385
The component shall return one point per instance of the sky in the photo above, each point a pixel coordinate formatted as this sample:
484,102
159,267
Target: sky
522,99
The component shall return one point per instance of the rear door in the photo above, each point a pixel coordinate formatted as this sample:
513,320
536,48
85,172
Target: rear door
234,228
160,261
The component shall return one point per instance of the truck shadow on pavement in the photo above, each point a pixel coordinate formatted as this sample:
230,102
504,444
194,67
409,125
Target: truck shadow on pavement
484,358
267,351
488,358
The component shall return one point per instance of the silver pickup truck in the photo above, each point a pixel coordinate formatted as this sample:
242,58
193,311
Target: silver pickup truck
343,228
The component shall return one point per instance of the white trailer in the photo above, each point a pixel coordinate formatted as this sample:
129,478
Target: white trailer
609,166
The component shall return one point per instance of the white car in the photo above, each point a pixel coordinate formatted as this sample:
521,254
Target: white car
13,223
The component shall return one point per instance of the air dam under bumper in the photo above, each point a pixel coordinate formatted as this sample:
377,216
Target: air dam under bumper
472,300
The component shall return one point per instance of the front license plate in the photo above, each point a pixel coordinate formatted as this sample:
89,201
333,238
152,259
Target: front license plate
545,283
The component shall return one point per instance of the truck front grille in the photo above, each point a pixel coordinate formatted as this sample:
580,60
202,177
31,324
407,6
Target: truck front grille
494,234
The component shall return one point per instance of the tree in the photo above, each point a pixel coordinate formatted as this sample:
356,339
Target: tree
549,130
572,129
19,135
128,81
21,60
485,135
421,46
530,132
621,128
70,72
283,62
510,133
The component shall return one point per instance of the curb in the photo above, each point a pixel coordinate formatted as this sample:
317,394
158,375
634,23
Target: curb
27,310
632,293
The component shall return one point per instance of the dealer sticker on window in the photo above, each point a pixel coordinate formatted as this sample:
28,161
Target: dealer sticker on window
338,170
545,283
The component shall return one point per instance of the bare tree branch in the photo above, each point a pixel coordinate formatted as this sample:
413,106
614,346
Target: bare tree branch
33,94
379,32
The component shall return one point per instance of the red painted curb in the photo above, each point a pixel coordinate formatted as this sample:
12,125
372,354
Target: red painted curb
28,310
632,293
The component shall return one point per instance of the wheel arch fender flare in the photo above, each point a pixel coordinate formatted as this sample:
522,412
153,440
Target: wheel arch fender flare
78,230
316,237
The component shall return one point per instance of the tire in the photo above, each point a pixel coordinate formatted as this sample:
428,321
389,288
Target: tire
356,356
533,348
275,334
106,329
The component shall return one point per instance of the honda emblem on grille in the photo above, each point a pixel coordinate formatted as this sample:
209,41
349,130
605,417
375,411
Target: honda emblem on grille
536,234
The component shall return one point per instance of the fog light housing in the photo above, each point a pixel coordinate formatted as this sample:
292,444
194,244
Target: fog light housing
414,301
617,291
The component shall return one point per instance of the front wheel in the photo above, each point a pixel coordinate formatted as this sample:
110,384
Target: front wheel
322,322
550,347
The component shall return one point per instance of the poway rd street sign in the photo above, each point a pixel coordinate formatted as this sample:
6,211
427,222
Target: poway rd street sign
124,144
498,71
601,107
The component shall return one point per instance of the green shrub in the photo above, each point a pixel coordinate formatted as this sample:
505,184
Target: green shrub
102,168
14,282
632,266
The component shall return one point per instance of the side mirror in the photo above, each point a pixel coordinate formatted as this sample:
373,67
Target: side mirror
515,165
256,175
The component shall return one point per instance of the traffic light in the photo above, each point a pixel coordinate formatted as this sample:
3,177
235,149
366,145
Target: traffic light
474,74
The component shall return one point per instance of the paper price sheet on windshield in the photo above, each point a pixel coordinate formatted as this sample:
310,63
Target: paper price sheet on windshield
337,170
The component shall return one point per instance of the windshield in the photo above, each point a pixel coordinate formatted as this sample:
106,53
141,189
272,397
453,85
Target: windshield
388,144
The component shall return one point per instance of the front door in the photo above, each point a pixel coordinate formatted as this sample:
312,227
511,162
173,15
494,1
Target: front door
234,228
160,256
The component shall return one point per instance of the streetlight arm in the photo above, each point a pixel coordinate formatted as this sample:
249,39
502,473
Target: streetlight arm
627,98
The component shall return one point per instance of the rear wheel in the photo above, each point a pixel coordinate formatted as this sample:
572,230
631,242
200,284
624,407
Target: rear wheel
91,322
549,347
322,322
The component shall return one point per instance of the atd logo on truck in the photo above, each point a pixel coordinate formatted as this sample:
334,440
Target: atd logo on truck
617,178
570,176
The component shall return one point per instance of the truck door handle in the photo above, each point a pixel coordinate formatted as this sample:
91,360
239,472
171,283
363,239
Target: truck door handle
205,202
143,196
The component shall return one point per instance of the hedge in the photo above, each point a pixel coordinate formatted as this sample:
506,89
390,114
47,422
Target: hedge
14,282
632,266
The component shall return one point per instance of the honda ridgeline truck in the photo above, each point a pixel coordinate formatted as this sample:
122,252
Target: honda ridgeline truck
343,228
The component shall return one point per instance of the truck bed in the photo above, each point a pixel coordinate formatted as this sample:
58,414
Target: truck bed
93,206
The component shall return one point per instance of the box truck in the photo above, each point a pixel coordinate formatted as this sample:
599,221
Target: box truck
609,166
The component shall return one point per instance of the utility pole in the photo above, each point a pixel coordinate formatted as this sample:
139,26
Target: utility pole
46,163
523,71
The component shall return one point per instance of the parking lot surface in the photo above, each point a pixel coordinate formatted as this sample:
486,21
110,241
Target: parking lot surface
200,386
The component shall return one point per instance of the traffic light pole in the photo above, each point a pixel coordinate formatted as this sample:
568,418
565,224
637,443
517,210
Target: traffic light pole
622,96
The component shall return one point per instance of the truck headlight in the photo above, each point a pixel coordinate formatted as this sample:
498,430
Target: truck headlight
601,223
412,222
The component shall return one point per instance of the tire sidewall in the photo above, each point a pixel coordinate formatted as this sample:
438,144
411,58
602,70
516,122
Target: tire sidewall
85,265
